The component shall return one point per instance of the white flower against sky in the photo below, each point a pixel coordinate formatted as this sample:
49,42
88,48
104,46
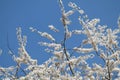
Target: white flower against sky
77,32
74,6
46,35
68,34
83,50
43,34
81,11
33,29
51,45
53,28
70,12
58,54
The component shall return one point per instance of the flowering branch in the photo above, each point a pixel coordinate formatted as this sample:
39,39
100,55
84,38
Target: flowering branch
13,56
64,21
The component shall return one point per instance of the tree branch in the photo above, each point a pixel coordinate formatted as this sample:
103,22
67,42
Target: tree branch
13,54
64,41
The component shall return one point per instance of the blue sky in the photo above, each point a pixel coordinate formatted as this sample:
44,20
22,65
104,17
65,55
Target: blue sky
41,13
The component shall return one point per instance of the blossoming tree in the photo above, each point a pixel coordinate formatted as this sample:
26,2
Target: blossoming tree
70,64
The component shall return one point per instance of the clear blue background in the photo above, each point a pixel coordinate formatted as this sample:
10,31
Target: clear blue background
41,13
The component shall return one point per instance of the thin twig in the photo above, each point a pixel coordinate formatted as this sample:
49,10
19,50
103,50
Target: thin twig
67,57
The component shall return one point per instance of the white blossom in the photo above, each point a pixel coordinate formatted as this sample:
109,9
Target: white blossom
73,5
53,28
59,54
32,29
52,45
68,34
77,32
65,20
46,35
81,11
116,69
93,23
43,34
70,12
83,50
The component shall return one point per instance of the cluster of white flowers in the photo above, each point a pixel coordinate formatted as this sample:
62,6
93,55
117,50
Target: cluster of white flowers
77,32
74,6
83,50
59,54
51,45
46,35
65,20
66,64
53,28
43,34
23,55
68,34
